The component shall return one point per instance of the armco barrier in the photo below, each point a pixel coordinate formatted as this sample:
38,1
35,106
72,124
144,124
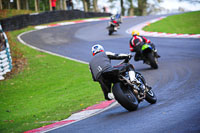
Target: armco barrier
5,56
21,21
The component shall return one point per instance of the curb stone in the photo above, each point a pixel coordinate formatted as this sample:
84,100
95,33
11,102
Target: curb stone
70,23
75,22
85,113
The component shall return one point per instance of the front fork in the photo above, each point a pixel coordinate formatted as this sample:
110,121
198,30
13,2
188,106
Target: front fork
139,89
142,87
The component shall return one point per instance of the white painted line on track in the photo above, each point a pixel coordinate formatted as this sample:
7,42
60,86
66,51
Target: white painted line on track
42,50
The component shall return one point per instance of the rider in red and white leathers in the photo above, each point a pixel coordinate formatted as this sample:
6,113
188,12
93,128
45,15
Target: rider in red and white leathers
136,42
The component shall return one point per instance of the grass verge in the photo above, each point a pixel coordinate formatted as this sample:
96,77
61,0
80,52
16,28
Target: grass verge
48,89
186,23
9,13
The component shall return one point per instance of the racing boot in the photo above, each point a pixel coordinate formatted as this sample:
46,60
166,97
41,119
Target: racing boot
118,27
156,54
111,96
115,28
137,57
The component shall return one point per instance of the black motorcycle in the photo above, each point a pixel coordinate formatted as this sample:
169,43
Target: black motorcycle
148,55
113,27
130,87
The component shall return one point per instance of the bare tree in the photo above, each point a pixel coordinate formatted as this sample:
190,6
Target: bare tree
27,4
18,5
86,5
36,5
142,7
50,7
1,6
64,5
60,4
131,8
122,7
95,7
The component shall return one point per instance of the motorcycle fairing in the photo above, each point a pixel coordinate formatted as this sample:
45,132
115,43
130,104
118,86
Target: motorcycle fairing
145,46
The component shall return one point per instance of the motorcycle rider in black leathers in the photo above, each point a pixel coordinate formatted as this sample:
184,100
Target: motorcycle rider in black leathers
136,43
100,65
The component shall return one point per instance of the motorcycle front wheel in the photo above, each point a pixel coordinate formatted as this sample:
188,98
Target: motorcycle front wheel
110,32
125,97
151,97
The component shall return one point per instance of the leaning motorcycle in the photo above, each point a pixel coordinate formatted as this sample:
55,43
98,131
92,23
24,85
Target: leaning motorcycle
130,88
149,56
113,26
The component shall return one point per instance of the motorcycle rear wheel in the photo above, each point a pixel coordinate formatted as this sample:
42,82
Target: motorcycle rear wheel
125,97
152,61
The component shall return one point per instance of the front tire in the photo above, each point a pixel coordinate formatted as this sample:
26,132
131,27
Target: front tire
110,32
151,97
125,97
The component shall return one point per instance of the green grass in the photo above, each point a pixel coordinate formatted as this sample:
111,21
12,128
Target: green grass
187,23
50,88
9,13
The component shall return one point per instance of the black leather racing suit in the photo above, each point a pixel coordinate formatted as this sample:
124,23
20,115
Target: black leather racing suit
100,64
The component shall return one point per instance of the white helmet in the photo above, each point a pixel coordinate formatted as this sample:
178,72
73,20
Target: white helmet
96,49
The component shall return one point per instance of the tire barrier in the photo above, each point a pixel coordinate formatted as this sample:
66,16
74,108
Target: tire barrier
5,56
22,21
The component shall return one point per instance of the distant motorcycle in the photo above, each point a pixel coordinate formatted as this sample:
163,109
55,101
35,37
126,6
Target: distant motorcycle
113,27
130,87
149,56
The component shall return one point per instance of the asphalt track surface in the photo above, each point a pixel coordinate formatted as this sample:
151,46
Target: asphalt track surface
176,82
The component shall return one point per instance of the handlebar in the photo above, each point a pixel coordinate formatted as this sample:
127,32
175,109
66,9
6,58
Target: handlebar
127,59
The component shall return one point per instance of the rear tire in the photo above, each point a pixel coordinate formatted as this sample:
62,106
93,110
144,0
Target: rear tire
125,97
152,61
